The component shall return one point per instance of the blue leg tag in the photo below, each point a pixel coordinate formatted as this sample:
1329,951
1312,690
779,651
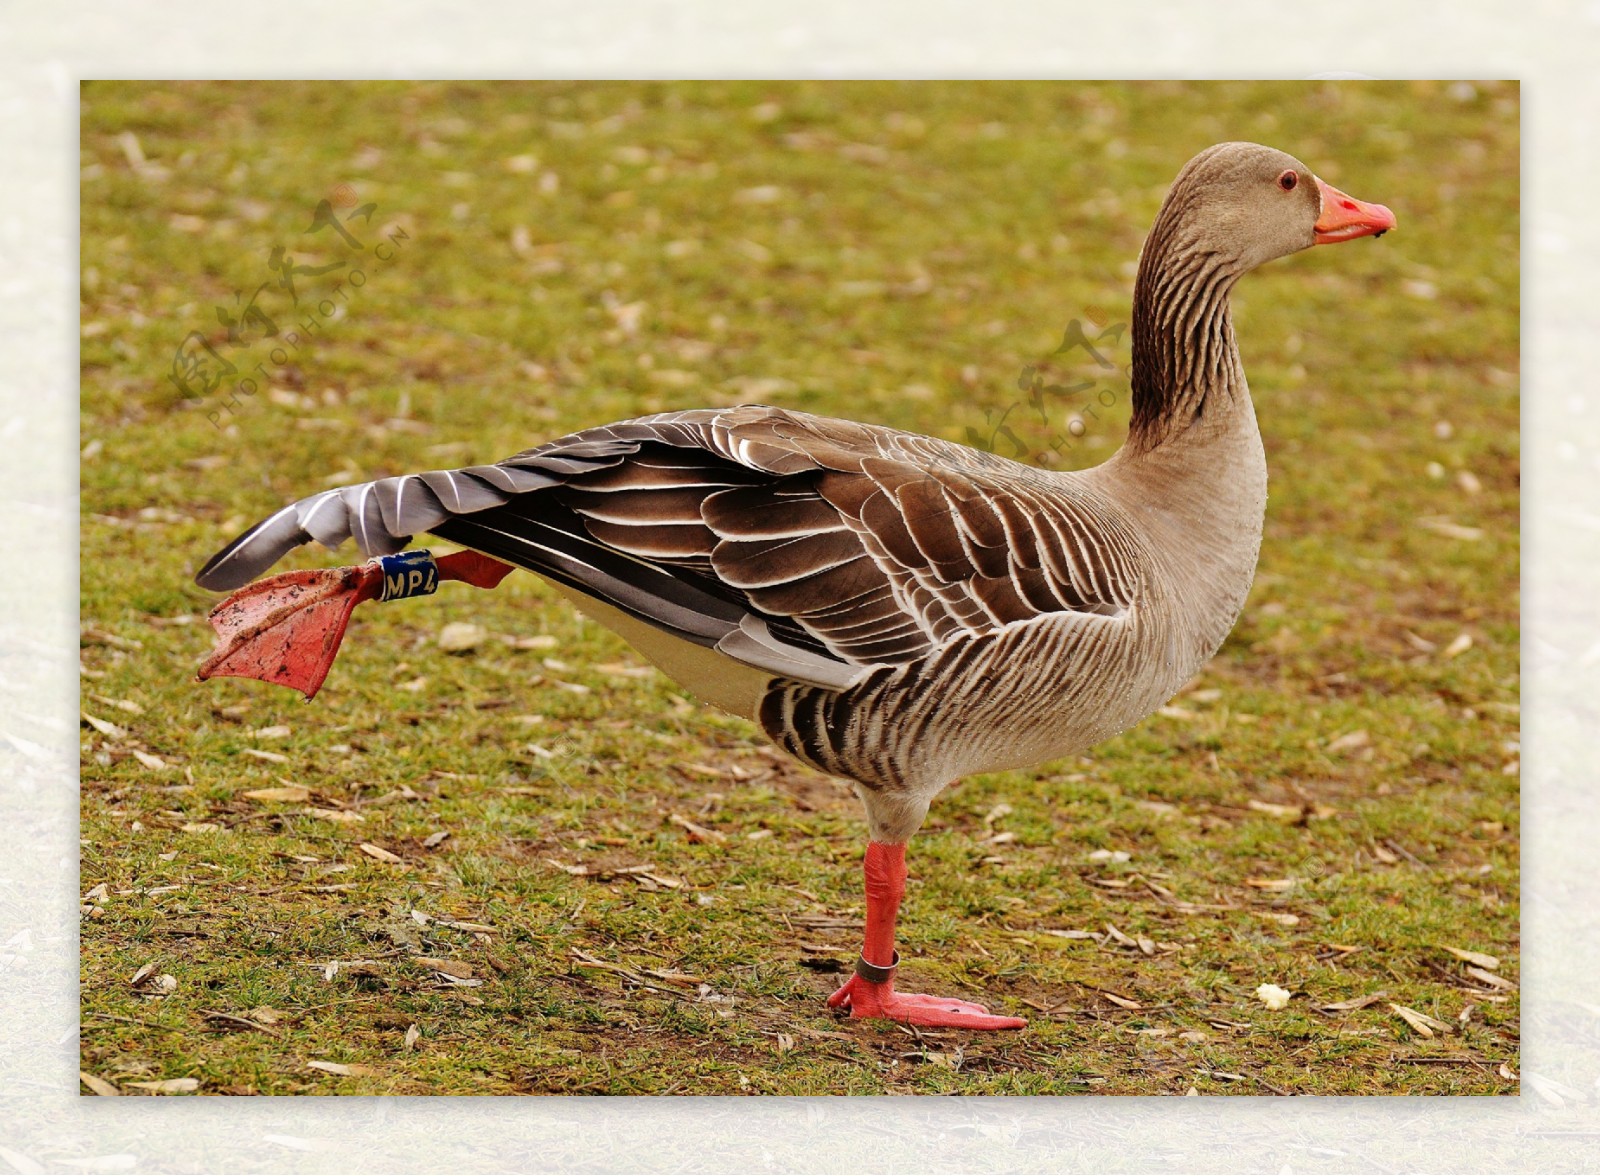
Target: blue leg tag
410,573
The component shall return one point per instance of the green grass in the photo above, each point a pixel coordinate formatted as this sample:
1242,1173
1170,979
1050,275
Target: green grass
578,253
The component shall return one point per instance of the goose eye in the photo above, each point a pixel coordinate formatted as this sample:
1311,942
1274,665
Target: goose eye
1288,180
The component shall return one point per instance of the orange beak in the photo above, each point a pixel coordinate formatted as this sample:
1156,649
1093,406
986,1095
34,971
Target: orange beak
1344,218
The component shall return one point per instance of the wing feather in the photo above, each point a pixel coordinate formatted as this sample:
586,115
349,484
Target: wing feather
325,518
690,542
764,563
808,547
461,493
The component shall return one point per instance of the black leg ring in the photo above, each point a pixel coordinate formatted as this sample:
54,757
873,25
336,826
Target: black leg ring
872,973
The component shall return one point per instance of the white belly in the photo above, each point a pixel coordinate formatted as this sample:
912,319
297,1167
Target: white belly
710,676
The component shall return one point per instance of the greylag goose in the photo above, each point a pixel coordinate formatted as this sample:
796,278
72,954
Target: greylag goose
893,609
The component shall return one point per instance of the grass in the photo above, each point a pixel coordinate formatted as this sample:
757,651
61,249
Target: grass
1328,807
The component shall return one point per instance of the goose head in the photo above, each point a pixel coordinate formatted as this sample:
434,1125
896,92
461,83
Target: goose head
1245,205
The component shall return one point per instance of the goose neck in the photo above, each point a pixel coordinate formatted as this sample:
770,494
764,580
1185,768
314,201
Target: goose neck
1186,368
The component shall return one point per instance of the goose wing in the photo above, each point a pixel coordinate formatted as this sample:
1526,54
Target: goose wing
809,547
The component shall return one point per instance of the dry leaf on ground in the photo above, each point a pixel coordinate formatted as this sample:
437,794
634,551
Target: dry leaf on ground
231,1021
454,968
1354,1003
270,757
697,833
1421,1022
293,794
342,1070
343,816
169,1086
1352,741
1122,1002
109,730
99,1085
1451,529
462,637
1482,959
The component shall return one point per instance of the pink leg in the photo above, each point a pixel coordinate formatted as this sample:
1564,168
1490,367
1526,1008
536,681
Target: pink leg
870,992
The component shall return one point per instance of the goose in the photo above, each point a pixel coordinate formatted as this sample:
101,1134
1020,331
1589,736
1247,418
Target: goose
893,609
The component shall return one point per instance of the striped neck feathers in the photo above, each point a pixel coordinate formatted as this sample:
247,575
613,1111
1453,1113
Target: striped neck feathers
1186,365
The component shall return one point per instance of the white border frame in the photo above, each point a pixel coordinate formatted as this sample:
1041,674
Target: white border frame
48,1127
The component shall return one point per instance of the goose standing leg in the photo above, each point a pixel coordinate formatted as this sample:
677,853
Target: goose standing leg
870,992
